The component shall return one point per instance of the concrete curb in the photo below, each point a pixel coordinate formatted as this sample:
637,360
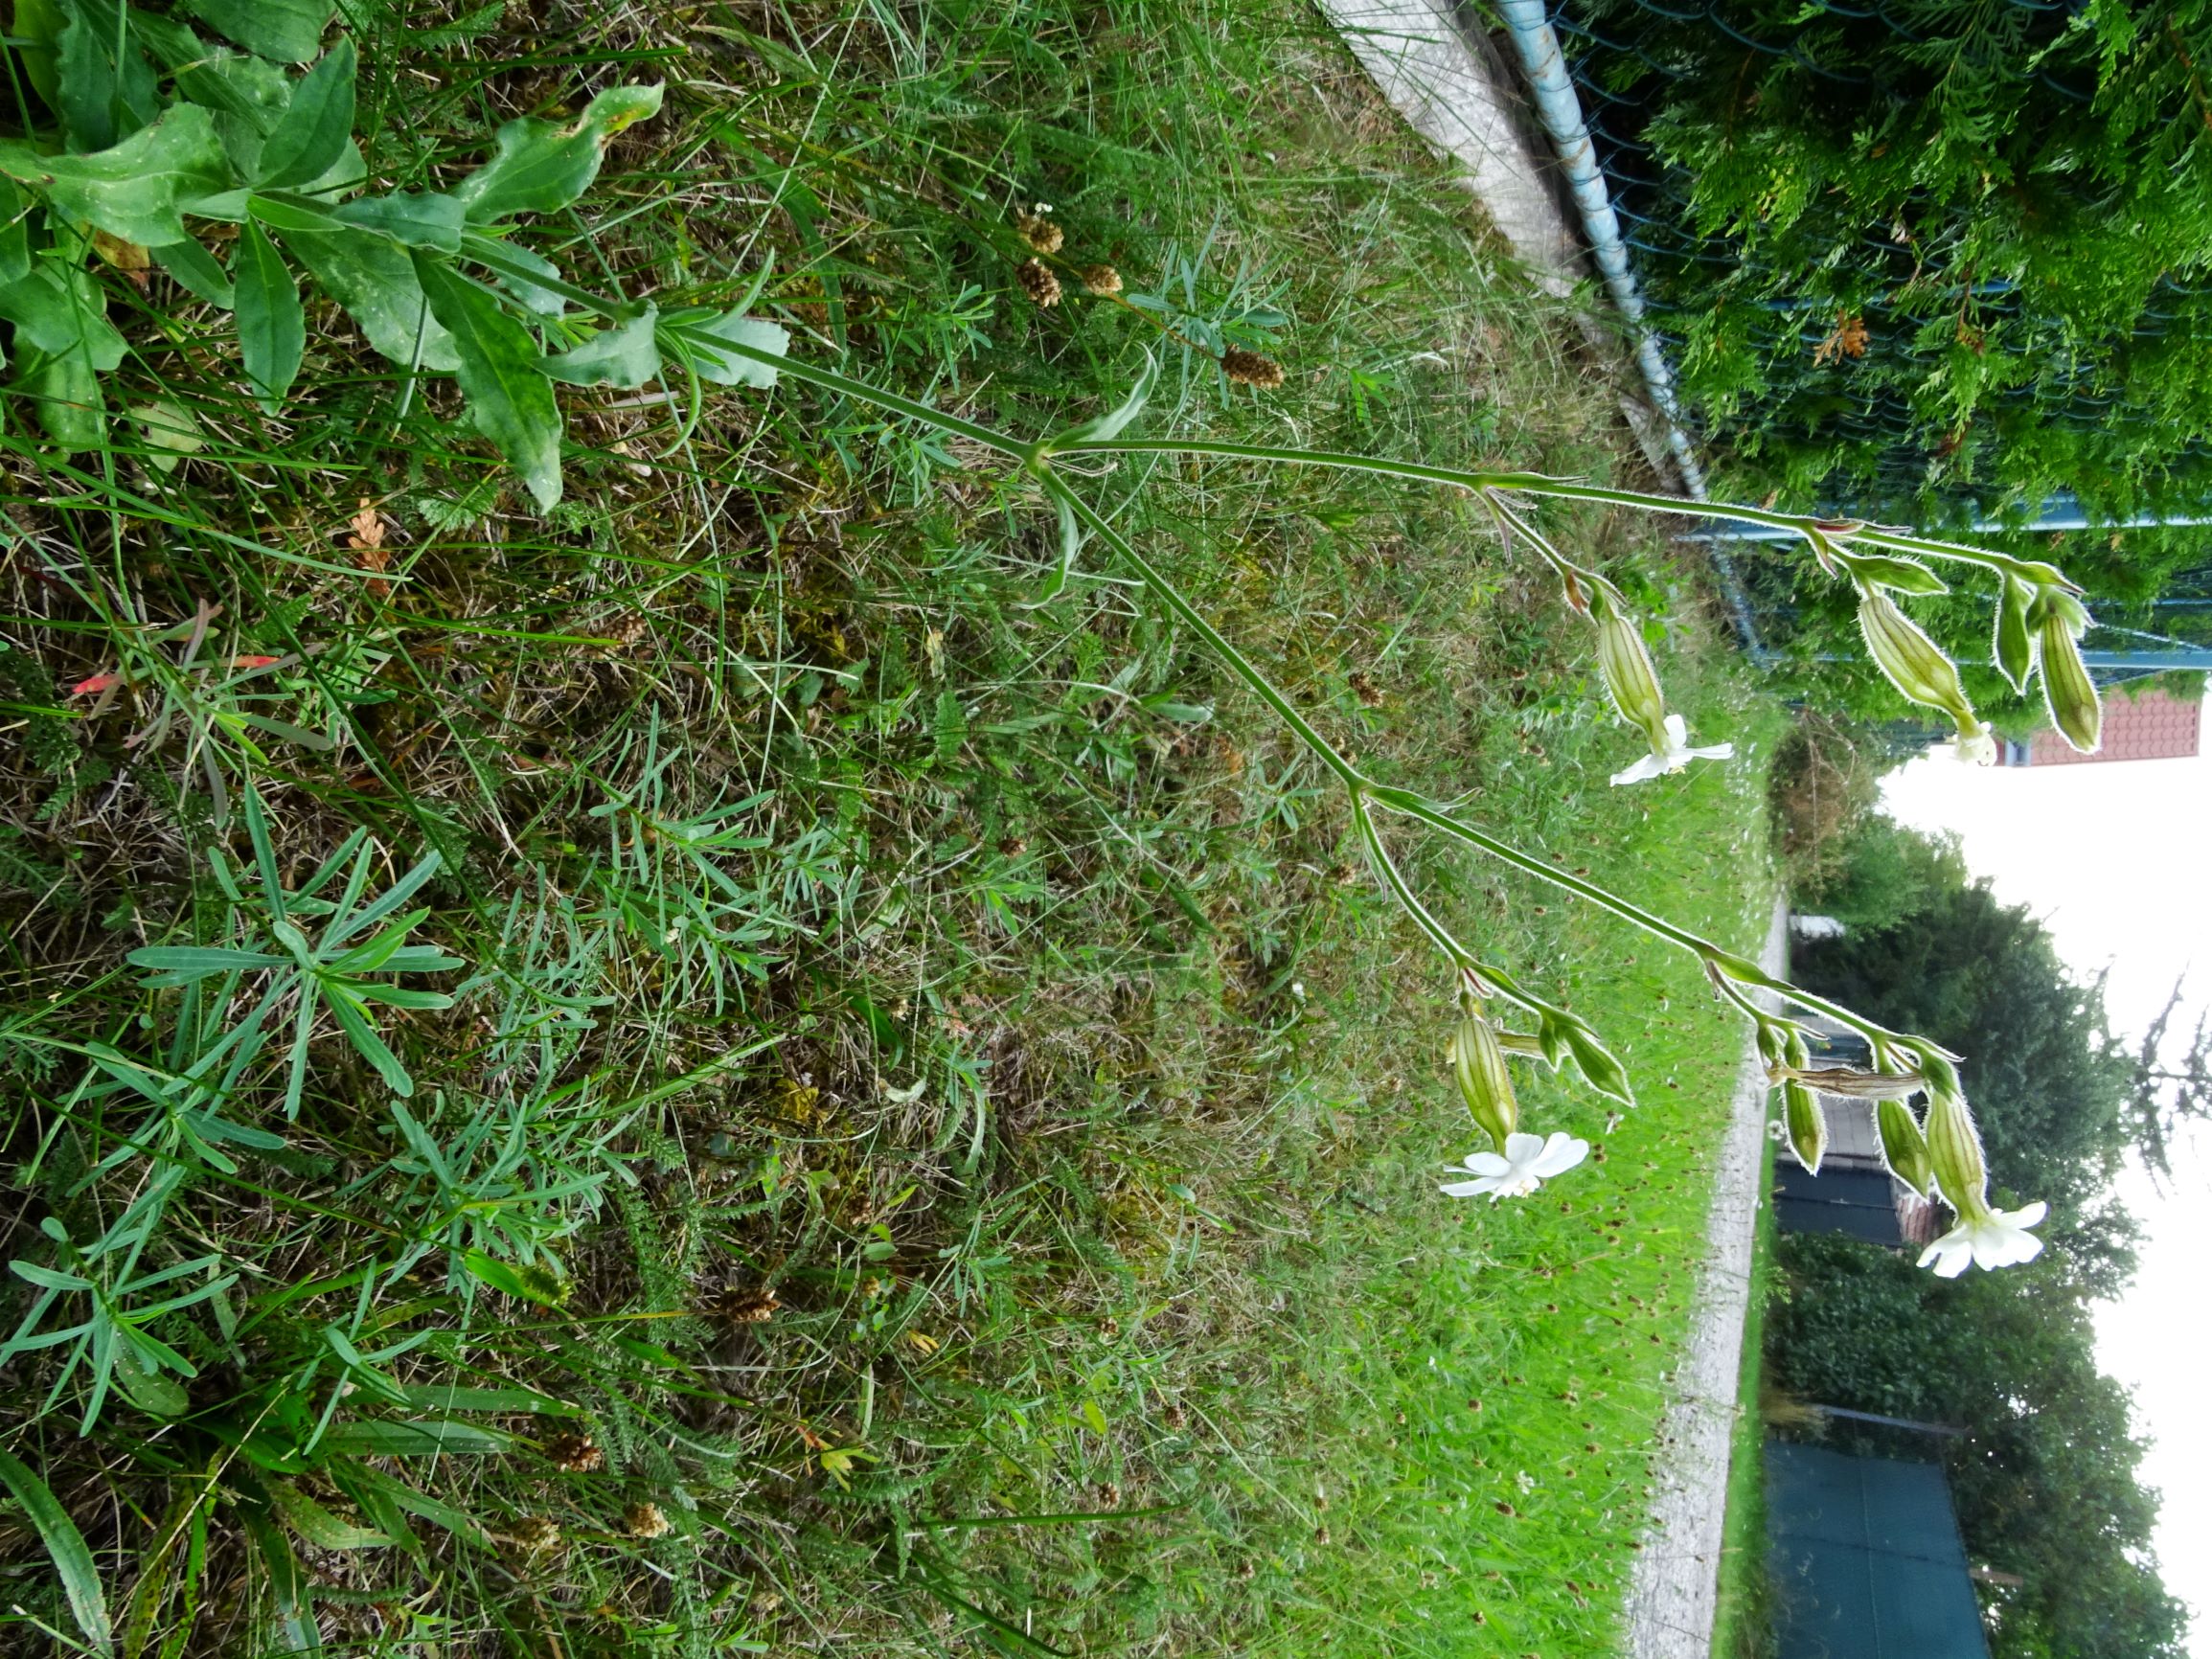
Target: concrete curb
1673,1588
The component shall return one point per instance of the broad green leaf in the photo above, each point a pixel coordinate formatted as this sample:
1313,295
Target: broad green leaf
272,326
415,220
59,309
539,168
147,1387
290,31
626,355
66,1545
132,190
248,96
540,299
196,272
99,97
14,232
512,1280
170,431
510,402
317,1525
65,388
311,137
39,22
374,281
728,368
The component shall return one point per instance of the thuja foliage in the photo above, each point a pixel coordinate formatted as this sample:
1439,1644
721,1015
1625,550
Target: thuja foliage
1925,249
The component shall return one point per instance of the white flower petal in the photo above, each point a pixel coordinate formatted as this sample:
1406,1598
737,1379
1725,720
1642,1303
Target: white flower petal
1677,732
1465,1189
1561,1153
1650,766
2029,1216
1521,1148
1488,1163
1712,752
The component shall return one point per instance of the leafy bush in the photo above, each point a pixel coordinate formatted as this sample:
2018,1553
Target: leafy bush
1885,872
1930,249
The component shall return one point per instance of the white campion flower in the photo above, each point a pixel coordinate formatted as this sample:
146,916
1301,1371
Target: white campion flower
1678,754
1977,748
1991,1239
1528,1163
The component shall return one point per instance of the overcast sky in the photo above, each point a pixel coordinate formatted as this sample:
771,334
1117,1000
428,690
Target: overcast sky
2117,861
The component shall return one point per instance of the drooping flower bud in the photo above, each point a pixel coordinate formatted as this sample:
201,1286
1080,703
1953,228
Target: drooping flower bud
1626,665
1807,1123
1859,1085
1903,1148
1913,663
2069,689
1955,1153
1485,1086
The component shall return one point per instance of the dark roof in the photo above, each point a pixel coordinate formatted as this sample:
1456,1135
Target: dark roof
1866,1559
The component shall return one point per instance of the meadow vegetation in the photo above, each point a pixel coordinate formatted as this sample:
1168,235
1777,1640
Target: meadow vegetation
814,1084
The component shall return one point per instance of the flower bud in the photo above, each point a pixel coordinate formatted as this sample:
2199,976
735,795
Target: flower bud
1955,1153
1903,1148
1631,680
1479,1068
2069,689
1913,663
1807,1123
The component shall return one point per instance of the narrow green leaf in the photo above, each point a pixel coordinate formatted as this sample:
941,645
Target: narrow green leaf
272,325
290,31
311,137
417,1439
366,1042
288,1584
627,355
510,401
133,190
539,168
66,1544
415,220
1111,424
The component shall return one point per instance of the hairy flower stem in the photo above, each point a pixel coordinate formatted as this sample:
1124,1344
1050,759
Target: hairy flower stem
1728,971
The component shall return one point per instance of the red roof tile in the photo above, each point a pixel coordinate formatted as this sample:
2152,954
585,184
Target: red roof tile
2151,727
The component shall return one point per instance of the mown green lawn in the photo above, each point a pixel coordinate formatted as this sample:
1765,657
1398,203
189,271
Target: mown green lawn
934,1148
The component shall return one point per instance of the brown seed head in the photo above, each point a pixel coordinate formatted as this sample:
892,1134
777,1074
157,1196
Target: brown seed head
1102,279
1250,369
1040,233
574,1454
534,1535
1039,284
645,1521
744,1307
